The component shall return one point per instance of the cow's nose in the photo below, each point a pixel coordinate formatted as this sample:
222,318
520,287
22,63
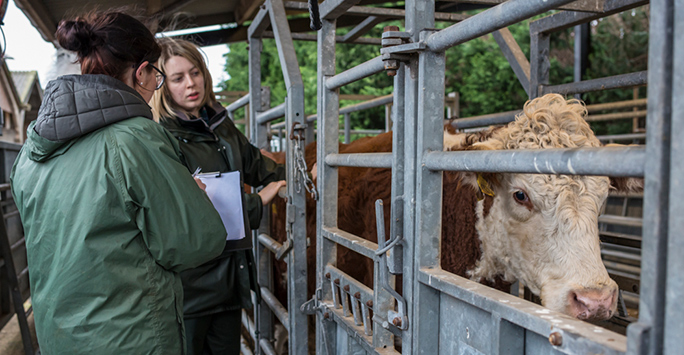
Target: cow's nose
592,303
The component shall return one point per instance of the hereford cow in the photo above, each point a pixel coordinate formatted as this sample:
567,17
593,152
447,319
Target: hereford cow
539,229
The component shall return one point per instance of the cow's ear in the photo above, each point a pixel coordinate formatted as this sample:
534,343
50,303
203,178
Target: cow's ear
483,183
627,184
622,184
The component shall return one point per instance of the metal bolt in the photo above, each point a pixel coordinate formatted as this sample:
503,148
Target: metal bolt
326,315
397,322
556,339
346,288
337,281
390,28
327,275
369,303
357,295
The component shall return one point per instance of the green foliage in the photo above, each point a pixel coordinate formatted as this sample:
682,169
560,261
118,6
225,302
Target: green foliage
477,70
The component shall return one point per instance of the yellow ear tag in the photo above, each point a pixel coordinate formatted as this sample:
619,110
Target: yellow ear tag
484,186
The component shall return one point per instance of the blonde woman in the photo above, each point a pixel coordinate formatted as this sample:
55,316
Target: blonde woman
215,292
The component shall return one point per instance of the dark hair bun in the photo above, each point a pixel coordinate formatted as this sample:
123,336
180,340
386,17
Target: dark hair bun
77,36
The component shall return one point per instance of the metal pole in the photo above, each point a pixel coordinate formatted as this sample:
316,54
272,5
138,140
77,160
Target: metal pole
646,335
347,123
488,21
359,72
581,52
296,202
612,161
326,208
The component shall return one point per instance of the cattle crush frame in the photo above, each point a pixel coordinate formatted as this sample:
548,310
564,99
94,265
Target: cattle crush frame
441,312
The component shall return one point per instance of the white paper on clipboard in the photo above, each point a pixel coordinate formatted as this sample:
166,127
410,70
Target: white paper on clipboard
225,192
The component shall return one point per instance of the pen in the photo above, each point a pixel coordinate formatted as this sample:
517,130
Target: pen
197,171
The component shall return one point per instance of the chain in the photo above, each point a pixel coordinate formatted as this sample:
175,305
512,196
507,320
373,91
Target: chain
301,170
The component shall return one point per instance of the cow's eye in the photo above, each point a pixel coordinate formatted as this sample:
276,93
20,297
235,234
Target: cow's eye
520,197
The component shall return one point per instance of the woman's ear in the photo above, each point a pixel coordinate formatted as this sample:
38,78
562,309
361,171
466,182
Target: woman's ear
139,72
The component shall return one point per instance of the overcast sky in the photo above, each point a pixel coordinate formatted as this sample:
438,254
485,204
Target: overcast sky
30,52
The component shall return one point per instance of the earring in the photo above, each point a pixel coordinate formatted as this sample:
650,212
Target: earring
141,83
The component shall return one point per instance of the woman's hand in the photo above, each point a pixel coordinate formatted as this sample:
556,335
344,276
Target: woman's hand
201,184
269,191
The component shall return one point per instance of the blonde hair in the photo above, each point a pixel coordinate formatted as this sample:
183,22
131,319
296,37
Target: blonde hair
162,103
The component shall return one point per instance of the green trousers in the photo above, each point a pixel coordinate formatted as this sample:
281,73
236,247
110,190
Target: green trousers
214,334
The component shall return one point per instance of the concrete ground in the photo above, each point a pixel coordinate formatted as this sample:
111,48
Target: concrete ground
10,337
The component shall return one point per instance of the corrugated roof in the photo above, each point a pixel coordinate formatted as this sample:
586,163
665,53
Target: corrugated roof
24,81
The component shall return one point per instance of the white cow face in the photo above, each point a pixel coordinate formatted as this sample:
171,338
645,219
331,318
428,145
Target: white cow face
543,231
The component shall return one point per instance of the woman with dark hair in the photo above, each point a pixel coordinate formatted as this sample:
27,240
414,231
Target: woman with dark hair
110,214
216,291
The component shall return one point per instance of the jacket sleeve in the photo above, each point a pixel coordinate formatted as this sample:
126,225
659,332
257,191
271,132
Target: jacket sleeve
179,225
258,169
254,210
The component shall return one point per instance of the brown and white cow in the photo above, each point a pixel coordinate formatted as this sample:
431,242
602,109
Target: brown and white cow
539,229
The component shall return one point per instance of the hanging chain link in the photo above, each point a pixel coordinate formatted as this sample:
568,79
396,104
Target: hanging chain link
301,171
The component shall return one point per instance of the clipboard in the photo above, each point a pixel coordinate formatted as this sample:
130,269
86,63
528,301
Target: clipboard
225,192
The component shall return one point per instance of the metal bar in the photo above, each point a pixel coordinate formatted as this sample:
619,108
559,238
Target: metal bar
244,347
673,325
610,161
273,113
582,33
621,220
269,243
267,347
509,116
389,13
276,307
339,39
248,324
515,56
296,202
326,208
488,21
350,241
395,258
367,131
578,5
259,24
617,105
578,337
428,225
332,9
360,160
485,120
616,116
566,19
359,72
13,280
362,28
622,137
540,64
378,101
612,82
238,103
347,123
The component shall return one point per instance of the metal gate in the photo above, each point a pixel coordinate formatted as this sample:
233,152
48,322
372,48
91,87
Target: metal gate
440,312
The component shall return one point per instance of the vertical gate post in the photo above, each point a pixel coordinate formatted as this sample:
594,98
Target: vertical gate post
296,201
326,208
420,338
647,335
674,326
539,63
262,313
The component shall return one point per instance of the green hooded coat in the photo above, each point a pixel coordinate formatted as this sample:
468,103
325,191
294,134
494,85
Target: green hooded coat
222,284
111,216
